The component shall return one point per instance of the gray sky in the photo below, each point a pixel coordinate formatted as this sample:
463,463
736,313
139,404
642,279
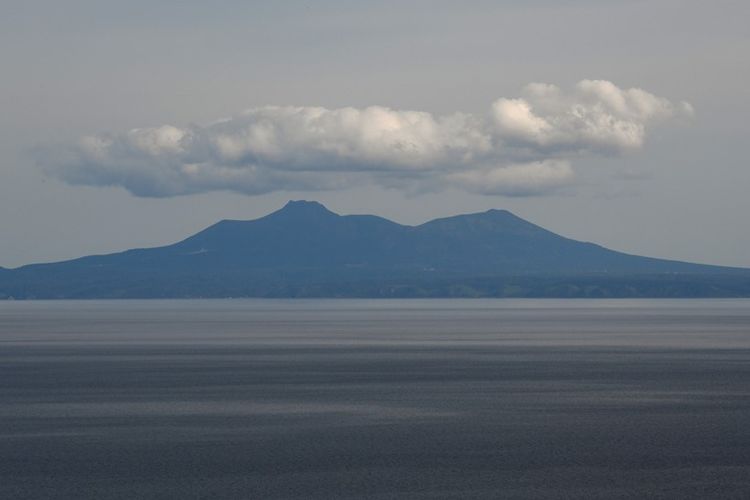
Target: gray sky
632,171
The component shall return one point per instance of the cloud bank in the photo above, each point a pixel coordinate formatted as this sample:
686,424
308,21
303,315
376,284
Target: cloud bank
521,146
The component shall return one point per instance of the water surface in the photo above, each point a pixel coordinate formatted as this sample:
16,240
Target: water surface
375,399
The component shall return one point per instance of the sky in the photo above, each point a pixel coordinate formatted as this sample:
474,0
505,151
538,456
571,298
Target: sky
136,124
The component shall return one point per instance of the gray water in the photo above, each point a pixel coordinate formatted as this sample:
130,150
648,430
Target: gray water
375,399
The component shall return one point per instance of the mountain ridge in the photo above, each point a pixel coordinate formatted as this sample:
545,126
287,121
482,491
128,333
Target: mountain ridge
304,249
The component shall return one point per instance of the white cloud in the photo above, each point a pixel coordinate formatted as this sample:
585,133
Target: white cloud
516,120
523,147
597,117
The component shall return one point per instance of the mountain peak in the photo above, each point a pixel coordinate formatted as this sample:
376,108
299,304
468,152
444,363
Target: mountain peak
500,211
304,205
304,208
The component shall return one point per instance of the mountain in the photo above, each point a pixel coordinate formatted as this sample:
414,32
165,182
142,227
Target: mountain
305,250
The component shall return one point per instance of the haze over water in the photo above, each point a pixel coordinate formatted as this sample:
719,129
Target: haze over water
375,399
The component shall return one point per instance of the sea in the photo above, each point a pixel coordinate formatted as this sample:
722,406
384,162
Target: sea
375,399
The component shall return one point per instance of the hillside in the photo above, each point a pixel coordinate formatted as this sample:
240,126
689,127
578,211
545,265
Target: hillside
306,250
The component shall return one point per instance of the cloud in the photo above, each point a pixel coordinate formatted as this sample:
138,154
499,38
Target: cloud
597,117
523,146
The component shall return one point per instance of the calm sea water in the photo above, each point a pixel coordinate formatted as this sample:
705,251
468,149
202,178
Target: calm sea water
375,399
